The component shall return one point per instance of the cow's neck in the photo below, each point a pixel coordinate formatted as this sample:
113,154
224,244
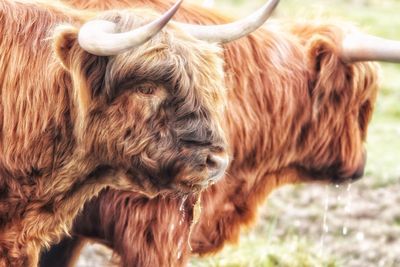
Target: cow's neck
267,108
268,100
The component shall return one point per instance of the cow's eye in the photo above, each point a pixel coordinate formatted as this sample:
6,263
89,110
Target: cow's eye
146,88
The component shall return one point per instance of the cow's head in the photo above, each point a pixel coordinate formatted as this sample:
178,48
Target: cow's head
149,102
343,94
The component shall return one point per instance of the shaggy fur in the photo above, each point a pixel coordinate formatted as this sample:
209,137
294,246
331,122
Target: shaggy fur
74,123
296,113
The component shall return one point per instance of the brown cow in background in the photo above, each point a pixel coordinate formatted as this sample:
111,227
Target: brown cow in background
78,116
298,111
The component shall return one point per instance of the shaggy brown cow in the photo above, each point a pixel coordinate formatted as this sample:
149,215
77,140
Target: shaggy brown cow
73,122
296,112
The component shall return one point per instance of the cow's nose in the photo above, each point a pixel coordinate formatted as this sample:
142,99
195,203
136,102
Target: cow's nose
355,173
217,165
359,173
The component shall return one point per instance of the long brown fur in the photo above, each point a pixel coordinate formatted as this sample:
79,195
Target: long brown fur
73,123
296,113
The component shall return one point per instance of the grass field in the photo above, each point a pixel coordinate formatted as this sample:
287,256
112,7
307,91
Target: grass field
275,242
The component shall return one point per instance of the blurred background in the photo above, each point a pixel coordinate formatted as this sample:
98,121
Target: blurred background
354,225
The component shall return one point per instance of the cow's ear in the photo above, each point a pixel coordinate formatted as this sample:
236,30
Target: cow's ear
65,39
330,82
87,71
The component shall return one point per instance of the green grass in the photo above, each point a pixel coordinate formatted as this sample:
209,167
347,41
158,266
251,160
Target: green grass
379,17
261,252
383,143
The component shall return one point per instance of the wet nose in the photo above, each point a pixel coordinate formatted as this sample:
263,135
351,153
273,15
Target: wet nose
356,173
359,173
217,165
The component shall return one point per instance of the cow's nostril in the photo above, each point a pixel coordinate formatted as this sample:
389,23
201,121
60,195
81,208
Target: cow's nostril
217,165
211,162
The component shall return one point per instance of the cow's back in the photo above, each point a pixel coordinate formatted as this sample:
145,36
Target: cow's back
34,87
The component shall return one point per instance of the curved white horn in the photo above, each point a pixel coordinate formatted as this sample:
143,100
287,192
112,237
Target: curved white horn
98,37
364,47
232,31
